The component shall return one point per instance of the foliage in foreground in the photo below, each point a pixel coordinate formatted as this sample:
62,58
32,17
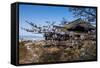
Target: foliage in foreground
38,53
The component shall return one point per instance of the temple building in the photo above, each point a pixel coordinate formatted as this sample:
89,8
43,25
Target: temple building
79,25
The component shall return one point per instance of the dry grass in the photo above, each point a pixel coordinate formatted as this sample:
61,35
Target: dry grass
84,50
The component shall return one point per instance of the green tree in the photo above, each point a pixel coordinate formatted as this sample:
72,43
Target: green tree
88,14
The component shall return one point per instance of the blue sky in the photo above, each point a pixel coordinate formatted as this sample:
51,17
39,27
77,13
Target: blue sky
40,14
